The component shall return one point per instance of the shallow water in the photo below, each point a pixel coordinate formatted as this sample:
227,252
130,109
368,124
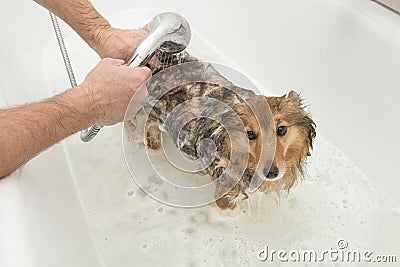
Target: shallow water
334,201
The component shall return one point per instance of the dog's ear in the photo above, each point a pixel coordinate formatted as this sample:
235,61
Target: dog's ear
294,97
306,122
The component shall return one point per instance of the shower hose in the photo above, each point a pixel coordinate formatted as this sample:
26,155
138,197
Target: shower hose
88,134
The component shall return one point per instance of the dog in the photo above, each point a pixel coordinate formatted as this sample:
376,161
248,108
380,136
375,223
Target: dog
215,102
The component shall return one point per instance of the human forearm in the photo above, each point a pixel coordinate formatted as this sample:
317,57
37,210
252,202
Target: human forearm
29,129
94,29
101,99
81,16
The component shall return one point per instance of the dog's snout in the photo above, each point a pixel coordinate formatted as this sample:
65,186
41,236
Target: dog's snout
271,173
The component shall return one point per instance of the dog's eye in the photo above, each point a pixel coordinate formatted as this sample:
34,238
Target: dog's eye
251,135
281,130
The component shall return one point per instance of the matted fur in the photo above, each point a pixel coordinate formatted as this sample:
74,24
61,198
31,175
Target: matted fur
288,110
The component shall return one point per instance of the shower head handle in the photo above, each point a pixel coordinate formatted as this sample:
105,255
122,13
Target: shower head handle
168,32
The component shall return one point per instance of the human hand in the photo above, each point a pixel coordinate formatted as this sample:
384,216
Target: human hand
118,43
109,88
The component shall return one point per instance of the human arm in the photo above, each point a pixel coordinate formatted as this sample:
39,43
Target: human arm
95,29
101,99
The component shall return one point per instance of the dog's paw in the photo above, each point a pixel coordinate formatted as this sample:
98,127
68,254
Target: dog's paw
202,172
227,208
225,203
153,135
153,142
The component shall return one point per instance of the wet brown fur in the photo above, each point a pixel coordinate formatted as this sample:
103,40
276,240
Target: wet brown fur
291,149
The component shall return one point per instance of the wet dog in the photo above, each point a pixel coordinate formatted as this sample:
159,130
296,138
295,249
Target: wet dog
195,102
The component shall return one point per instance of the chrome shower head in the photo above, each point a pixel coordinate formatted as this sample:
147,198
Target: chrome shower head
168,32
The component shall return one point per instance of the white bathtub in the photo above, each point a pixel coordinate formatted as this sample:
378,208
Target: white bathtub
75,204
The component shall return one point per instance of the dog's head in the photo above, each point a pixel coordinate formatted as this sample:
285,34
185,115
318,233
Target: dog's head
294,130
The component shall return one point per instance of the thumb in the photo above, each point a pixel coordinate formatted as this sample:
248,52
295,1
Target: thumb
146,27
143,71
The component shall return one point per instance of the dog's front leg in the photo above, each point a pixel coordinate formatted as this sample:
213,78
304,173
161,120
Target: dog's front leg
153,134
223,184
230,199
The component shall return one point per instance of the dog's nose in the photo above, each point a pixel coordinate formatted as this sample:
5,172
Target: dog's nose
272,172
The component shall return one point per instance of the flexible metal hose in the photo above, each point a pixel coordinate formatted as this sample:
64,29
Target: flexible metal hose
63,50
88,134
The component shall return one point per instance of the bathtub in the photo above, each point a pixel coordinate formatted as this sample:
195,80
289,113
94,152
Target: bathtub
76,205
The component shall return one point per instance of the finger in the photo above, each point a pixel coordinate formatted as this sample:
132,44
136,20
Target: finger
138,75
114,61
118,62
141,33
143,71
